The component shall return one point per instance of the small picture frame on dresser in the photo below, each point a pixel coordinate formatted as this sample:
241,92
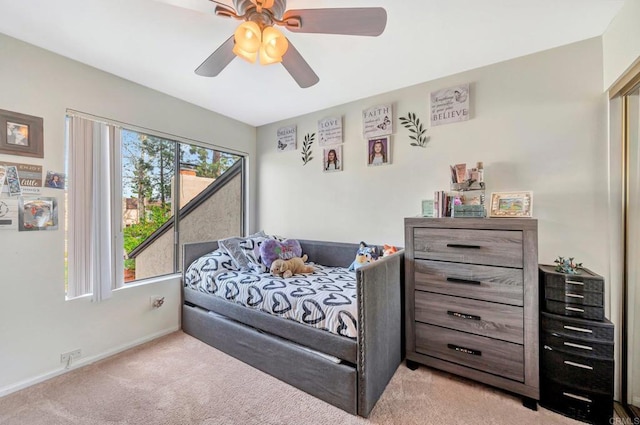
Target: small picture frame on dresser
511,205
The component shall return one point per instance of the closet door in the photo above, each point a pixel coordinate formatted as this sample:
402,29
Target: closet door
632,103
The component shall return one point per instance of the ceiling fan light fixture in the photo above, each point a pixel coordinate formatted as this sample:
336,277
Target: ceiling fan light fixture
248,39
274,46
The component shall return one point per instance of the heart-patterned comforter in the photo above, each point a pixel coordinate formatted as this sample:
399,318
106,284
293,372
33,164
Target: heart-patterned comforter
325,299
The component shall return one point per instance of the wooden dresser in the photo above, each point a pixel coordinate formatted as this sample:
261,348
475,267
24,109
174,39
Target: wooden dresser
472,300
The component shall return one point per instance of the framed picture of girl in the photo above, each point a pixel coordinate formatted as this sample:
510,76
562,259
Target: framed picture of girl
332,158
379,151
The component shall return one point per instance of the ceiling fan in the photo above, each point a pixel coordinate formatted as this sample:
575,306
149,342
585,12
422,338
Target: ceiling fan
257,37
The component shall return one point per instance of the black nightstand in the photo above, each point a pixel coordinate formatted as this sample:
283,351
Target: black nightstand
576,351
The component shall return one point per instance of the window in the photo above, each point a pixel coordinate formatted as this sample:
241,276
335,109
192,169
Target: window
128,214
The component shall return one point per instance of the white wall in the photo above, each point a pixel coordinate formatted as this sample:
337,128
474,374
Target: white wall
36,323
538,123
621,42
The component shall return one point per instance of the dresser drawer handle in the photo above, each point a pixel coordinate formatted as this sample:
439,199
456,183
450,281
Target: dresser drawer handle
577,397
465,281
464,350
581,366
574,282
579,310
463,315
569,294
573,328
582,347
459,245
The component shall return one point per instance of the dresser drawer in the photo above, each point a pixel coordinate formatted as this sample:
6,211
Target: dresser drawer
497,284
579,346
577,328
492,320
486,354
488,247
588,373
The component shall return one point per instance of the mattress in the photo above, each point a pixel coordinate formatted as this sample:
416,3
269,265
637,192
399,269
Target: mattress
325,299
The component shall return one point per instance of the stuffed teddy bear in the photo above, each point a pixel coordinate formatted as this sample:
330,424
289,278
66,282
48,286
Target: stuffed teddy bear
365,255
287,268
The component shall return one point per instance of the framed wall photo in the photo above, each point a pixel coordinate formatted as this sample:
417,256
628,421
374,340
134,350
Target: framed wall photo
21,134
379,151
511,204
332,159
37,213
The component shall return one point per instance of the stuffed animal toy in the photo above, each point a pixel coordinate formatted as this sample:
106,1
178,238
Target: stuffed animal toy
365,255
287,268
388,250
272,249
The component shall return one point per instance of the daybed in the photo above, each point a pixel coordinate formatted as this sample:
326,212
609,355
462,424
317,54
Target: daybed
348,372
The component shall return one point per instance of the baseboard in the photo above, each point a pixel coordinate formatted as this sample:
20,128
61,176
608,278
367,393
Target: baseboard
636,401
83,362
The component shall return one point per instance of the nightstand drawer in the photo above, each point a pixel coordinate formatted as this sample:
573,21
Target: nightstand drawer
587,373
586,281
497,284
478,352
578,328
574,296
589,406
492,320
579,346
489,247
574,310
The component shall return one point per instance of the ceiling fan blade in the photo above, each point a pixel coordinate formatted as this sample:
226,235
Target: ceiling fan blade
369,21
218,59
299,69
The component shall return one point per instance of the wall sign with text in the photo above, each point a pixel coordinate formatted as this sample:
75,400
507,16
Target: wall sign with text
287,137
450,105
330,131
377,121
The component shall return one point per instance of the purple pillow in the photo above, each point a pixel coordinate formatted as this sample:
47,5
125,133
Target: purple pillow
272,249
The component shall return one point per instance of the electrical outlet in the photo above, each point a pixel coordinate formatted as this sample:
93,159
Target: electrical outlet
71,355
157,301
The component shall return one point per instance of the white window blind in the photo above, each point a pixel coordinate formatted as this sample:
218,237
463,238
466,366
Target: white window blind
95,263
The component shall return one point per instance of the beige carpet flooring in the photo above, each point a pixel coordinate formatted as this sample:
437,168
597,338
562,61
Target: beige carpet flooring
179,380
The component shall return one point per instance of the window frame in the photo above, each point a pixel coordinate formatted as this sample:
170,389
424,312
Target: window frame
116,195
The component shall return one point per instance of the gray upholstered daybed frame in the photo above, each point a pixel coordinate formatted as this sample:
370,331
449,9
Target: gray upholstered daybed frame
272,344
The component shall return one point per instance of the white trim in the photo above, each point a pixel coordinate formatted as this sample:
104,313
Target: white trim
636,401
84,362
157,279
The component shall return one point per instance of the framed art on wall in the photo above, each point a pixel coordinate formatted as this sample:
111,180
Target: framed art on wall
287,138
21,134
37,213
379,150
511,204
377,121
332,158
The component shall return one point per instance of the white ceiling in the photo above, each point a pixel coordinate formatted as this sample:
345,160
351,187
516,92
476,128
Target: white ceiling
159,43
